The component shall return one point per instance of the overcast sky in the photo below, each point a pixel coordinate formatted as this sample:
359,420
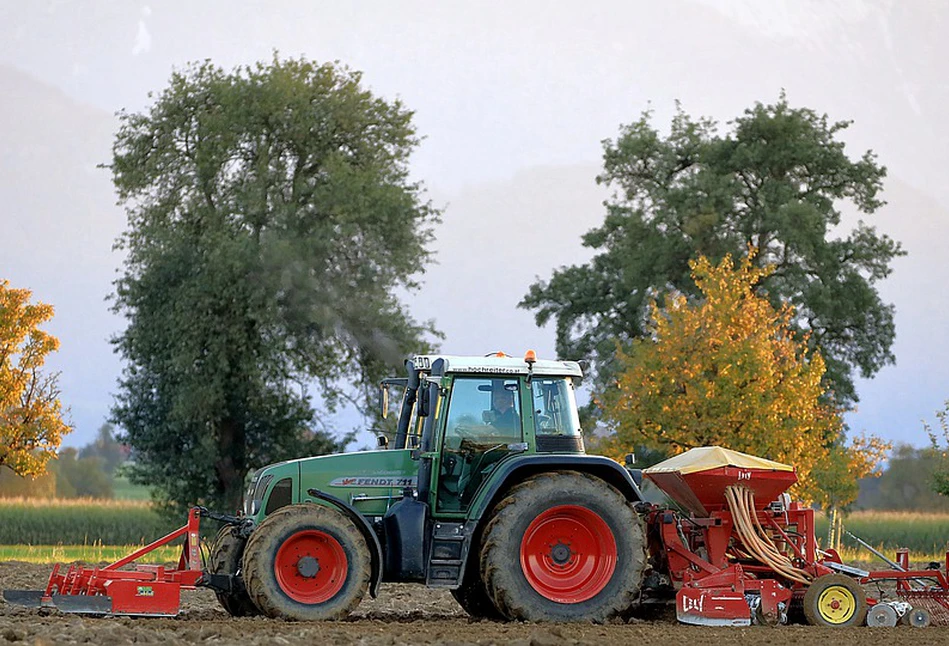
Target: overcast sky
513,100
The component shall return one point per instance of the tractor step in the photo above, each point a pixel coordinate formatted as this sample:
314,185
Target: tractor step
446,558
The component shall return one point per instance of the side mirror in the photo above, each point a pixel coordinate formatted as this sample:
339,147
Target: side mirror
424,402
382,442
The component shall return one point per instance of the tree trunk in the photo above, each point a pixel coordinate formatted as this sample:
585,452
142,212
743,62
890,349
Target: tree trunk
231,463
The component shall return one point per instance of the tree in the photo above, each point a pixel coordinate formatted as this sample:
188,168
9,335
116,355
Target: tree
834,481
940,446
31,415
272,223
907,482
774,181
106,448
727,369
13,485
81,477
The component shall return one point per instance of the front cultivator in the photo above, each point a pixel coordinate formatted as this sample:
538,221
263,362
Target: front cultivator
146,590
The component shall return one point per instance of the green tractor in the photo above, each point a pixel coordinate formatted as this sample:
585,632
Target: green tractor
485,490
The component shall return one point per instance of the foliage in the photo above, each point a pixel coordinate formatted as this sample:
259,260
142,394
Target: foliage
271,226
106,448
940,445
13,485
86,473
835,479
728,370
31,416
774,181
906,484
81,477
81,522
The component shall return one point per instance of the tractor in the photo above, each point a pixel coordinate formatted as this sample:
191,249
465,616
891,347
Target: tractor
484,489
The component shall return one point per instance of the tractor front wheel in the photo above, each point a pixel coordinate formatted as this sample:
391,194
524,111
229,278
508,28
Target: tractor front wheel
563,546
306,562
226,552
835,600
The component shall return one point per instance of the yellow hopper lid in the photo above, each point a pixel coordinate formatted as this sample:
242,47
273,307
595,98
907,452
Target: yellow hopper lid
714,457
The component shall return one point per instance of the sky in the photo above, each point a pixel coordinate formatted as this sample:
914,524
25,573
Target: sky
513,100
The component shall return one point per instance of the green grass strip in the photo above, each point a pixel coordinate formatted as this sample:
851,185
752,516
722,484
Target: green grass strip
96,554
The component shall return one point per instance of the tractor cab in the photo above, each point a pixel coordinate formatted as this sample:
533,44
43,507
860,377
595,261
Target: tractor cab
489,401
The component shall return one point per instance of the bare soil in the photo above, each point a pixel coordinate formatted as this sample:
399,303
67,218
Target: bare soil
403,614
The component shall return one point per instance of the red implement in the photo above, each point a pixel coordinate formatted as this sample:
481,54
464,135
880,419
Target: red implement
148,590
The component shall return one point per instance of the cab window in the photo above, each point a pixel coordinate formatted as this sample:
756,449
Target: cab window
555,407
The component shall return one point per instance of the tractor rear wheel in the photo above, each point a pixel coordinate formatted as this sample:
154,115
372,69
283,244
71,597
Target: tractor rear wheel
835,600
563,546
306,562
473,597
226,552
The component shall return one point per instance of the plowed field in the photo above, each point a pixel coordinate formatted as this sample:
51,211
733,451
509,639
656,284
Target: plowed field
403,614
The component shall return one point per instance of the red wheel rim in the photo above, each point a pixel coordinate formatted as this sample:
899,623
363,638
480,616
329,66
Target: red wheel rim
568,554
311,566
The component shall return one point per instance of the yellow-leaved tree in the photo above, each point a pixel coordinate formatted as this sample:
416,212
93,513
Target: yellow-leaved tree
31,416
726,369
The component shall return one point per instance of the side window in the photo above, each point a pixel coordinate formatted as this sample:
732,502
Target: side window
280,496
484,417
555,407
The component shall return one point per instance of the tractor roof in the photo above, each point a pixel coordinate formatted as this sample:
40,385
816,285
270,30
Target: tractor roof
498,365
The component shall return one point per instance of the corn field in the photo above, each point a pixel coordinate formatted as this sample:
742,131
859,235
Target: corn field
919,532
80,522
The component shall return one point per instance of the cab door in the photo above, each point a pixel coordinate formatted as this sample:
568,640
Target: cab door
483,425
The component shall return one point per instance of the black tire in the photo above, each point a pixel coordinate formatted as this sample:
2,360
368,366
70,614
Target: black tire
851,600
473,597
306,562
557,507
226,553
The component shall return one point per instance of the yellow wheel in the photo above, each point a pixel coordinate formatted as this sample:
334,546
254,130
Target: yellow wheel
835,600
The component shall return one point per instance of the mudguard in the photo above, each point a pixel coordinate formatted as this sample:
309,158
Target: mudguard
517,468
